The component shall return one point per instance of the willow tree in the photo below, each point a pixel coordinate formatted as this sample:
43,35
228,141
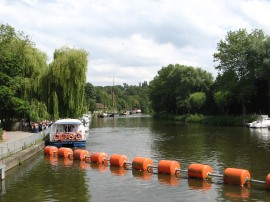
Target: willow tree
66,82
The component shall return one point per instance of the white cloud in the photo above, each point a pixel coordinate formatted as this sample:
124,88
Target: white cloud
132,40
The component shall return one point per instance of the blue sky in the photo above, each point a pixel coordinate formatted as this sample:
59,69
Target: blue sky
131,40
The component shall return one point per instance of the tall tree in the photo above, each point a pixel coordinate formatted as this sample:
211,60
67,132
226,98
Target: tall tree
67,78
264,71
238,57
21,67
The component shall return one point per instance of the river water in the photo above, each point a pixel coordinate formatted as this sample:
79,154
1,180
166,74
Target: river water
44,178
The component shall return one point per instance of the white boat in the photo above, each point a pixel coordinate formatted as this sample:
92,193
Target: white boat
263,121
67,132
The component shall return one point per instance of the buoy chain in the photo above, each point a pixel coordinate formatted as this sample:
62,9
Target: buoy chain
256,181
214,175
232,176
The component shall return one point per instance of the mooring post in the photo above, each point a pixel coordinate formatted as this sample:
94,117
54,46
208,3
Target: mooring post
2,171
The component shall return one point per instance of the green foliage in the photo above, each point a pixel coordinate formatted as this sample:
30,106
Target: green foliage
90,97
171,89
190,118
67,78
20,66
126,97
38,111
223,99
216,120
238,64
196,101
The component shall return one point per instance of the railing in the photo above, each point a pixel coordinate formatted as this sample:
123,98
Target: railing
9,148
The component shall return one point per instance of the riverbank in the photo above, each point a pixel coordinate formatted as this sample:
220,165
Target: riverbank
20,156
223,120
18,147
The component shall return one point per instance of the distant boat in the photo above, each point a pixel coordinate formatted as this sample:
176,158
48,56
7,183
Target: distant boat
67,132
102,115
263,121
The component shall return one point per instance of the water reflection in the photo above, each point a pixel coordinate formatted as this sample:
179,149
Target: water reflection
118,171
171,180
99,167
232,192
262,134
197,184
145,175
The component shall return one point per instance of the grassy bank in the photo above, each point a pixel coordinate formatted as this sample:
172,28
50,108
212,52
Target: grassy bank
209,120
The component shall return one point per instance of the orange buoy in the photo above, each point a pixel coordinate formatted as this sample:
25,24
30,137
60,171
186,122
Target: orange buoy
168,167
50,150
267,182
199,171
236,176
118,160
141,163
80,154
98,157
65,152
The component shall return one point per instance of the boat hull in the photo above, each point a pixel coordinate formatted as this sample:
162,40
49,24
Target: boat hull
68,143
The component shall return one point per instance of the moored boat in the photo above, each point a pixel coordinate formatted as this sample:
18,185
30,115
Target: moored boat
263,121
67,132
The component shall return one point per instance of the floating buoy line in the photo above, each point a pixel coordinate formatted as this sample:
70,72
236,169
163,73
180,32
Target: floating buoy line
231,176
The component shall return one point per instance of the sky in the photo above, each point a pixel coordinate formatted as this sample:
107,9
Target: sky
129,41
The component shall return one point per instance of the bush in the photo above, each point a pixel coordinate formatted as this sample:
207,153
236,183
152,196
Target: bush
209,120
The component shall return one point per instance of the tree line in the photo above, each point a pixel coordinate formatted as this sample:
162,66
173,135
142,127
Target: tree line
32,88
126,97
241,87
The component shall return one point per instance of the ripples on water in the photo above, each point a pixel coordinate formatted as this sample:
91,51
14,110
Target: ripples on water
56,179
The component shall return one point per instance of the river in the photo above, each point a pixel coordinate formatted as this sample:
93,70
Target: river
44,178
